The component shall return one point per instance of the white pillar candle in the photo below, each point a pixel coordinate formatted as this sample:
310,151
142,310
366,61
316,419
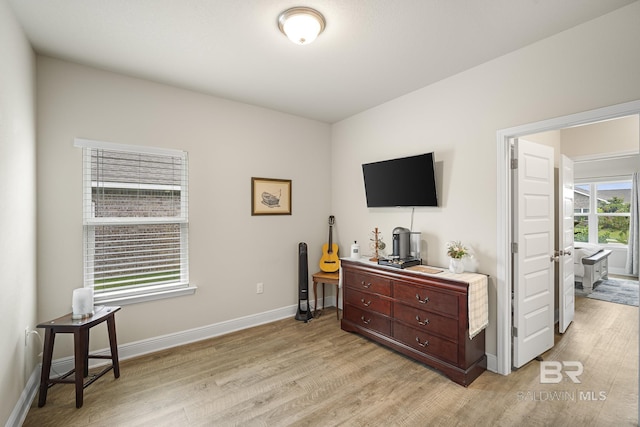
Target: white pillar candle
82,303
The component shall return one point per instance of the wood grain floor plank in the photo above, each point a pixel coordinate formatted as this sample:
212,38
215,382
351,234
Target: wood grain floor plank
290,373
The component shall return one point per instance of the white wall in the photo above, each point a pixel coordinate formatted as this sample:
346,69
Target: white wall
553,139
607,169
228,143
602,149
611,137
17,211
590,66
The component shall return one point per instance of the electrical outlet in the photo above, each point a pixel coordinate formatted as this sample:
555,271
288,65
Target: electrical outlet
260,288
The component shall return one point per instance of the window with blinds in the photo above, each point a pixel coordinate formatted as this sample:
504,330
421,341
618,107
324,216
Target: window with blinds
135,219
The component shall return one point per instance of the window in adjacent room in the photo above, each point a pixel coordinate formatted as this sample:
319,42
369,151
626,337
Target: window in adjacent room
135,222
602,212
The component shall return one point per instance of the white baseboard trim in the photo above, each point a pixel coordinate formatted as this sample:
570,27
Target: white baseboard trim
20,411
163,342
492,362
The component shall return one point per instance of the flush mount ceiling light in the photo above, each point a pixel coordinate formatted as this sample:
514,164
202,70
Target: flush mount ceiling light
301,24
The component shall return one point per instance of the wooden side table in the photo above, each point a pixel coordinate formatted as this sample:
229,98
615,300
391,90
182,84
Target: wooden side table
330,278
80,330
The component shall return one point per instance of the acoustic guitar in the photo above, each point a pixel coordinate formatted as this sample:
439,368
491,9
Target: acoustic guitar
329,262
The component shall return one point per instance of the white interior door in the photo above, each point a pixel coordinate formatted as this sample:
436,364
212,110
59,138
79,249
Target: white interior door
566,287
533,261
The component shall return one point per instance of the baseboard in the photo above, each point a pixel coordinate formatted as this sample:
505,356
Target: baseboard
20,411
163,342
492,362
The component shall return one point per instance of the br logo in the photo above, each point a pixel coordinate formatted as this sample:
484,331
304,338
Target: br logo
552,372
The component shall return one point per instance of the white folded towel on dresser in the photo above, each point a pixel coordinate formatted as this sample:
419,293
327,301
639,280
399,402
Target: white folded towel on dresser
478,303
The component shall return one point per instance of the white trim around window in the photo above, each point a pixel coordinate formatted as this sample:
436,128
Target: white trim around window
135,222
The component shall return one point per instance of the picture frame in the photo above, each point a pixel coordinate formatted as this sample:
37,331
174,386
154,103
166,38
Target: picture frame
270,196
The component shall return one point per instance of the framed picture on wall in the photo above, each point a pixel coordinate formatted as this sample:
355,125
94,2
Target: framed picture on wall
270,196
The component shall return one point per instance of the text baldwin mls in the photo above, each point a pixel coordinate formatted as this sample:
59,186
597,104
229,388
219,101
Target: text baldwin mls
548,396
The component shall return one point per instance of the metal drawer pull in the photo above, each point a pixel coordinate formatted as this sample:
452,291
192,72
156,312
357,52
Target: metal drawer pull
422,344
366,322
366,304
366,285
422,301
426,321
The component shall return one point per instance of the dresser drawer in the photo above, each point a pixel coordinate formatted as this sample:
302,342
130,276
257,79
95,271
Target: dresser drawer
367,319
426,298
426,343
367,301
367,282
421,316
426,321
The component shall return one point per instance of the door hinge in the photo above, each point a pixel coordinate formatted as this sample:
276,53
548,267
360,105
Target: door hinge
514,248
514,331
514,163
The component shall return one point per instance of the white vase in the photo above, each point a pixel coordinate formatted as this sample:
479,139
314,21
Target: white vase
456,265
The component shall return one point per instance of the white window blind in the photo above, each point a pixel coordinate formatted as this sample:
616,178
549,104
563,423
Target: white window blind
135,219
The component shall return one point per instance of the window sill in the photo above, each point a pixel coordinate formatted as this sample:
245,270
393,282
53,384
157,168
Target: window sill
126,299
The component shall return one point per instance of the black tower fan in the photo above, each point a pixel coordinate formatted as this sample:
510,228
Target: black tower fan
304,311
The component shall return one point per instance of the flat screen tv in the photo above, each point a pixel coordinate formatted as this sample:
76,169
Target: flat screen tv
406,181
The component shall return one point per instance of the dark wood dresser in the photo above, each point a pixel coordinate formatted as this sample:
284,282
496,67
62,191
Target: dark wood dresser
421,316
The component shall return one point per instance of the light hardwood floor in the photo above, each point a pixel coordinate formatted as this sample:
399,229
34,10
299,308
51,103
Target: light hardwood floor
292,373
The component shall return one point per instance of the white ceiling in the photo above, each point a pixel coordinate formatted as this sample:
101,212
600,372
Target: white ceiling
370,52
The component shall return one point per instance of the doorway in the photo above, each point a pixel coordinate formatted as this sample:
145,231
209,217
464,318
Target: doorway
504,211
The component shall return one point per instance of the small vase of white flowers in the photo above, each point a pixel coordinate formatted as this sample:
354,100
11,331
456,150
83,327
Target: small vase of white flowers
456,251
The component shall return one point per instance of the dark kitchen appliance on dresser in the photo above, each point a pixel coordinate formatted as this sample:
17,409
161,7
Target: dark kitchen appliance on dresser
421,316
